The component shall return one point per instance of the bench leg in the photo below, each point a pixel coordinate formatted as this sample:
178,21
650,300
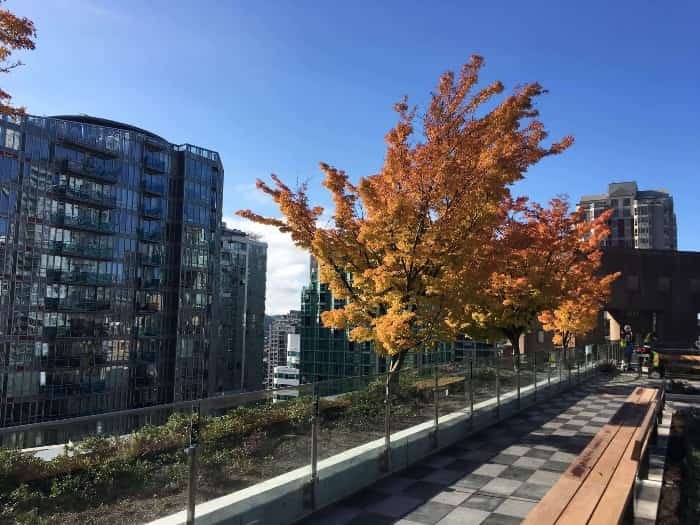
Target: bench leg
644,465
654,439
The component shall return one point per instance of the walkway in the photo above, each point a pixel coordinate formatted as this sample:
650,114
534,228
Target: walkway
493,477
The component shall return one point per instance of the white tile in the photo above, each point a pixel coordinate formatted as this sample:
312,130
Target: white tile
564,457
501,486
544,477
531,463
516,450
452,497
490,469
518,508
464,516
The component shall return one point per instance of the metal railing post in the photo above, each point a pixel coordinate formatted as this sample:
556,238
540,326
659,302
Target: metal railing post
436,408
559,363
498,389
517,377
191,452
471,391
534,372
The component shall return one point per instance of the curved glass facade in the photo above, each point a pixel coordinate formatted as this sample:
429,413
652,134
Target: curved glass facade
109,249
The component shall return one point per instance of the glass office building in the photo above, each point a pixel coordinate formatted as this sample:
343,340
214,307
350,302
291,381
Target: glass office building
239,355
326,353
109,248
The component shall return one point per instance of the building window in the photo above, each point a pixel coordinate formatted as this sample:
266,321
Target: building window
632,283
626,202
540,336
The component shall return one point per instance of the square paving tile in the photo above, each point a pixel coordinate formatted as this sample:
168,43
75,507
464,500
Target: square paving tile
544,477
394,506
531,491
464,516
452,497
501,486
490,469
483,502
417,471
334,515
369,518
501,519
565,457
531,463
540,454
555,466
393,484
518,508
516,473
430,513
516,450
444,477
504,459
423,490
471,481
462,465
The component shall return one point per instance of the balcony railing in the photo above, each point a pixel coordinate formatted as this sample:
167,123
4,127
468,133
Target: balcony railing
154,259
152,213
348,423
87,168
153,164
148,332
96,146
80,250
156,236
97,198
75,305
152,188
82,223
58,332
78,277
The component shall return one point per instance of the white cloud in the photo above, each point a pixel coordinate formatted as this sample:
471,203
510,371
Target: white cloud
287,266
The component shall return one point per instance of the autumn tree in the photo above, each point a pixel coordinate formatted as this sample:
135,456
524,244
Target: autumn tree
541,259
16,33
401,244
582,290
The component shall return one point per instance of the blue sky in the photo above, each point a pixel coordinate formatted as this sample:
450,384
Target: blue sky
277,86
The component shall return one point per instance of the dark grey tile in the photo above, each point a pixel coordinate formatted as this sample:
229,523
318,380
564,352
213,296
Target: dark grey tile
555,466
516,473
501,519
370,518
462,465
540,454
417,471
423,489
429,513
366,497
472,481
483,502
504,459
531,491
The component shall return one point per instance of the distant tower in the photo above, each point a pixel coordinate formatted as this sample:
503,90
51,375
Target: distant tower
641,219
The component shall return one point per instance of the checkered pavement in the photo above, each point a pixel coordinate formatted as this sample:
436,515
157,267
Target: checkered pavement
493,477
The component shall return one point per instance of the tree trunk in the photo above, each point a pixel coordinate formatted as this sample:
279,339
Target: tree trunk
394,365
514,338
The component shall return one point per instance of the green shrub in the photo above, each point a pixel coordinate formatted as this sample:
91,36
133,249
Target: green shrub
17,467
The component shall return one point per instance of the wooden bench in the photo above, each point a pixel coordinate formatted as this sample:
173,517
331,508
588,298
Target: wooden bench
597,487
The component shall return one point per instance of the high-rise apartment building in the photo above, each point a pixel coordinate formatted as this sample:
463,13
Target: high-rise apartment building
239,356
276,342
109,262
327,353
641,219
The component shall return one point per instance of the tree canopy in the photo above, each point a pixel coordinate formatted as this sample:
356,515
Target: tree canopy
16,33
405,246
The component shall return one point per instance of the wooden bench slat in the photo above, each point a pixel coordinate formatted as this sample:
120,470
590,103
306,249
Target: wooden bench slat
556,500
611,506
583,504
